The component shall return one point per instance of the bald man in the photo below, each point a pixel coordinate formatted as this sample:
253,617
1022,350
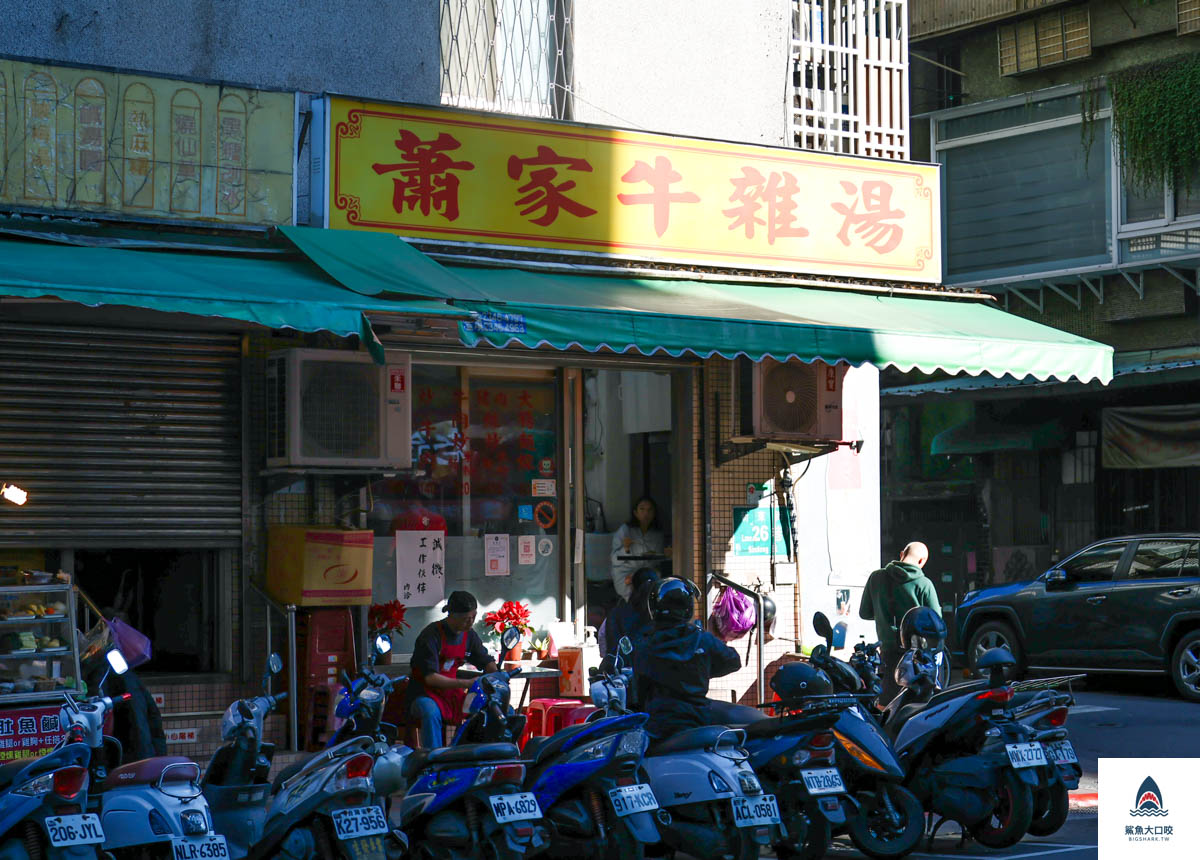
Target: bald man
890,592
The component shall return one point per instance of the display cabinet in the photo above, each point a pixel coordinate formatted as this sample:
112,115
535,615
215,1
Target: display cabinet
39,656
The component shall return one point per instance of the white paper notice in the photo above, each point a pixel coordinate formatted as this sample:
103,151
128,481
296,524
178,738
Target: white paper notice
545,487
526,549
579,546
420,568
495,555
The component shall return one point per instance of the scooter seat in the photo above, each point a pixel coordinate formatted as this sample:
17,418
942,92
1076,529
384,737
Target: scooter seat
10,769
149,770
692,739
421,759
902,716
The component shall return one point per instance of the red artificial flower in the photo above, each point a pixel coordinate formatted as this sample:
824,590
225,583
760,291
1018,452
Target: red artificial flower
387,617
512,613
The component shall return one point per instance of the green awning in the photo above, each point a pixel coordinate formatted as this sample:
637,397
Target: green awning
271,293
707,318
974,436
372,263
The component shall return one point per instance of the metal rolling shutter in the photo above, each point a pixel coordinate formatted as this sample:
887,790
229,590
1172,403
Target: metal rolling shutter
123,438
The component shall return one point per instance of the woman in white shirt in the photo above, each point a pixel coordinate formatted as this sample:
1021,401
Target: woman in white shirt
639,537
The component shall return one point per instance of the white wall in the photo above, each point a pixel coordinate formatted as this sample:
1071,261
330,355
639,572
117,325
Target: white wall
708,68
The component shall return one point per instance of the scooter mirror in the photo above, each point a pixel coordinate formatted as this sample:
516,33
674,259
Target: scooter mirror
383,644
274,664
509,638
625,646
838,637
117,660
821,625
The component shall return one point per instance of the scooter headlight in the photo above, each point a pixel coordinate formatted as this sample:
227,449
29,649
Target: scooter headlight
719,785
35,787
194,823
749,783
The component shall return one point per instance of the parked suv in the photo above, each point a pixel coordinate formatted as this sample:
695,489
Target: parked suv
1127,604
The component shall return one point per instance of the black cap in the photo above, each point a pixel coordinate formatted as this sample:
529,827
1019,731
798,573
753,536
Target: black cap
459,602
644,576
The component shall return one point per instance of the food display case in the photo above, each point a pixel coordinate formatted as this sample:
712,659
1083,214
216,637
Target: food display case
39,657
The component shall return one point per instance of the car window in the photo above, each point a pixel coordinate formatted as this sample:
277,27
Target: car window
1097,564
1158,559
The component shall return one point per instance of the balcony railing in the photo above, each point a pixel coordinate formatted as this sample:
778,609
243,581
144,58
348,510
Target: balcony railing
928,18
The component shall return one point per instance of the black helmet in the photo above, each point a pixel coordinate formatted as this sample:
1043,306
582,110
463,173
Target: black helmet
643,576
673,601
925,623
768,613
800,679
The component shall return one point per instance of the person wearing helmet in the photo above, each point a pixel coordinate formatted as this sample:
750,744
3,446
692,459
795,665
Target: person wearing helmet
674,663
890,592
631,617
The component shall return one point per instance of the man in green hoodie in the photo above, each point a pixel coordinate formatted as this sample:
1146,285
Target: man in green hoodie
890,592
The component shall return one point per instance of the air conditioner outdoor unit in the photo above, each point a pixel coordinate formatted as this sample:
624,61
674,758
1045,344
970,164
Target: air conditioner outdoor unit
794,401
331,408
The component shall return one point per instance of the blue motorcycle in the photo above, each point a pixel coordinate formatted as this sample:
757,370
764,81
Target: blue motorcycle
41,807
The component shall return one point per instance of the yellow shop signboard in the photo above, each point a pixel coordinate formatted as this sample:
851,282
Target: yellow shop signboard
81,139
484,178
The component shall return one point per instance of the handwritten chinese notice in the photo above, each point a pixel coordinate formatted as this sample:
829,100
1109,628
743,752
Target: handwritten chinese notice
461,176
495,555
28,731
420,567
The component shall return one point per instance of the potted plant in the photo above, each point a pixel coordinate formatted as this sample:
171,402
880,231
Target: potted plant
541,646
512,613
387,619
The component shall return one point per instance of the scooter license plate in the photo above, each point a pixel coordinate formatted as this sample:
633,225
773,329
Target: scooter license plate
1026,755
628,799
74,830
755,810
827,780
359,821
515,807
1061,752
204,848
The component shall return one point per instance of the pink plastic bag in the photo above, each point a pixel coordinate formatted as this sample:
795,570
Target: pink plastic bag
134,645
733,614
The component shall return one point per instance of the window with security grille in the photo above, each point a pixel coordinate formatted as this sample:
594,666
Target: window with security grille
1047,40
1187,16
850,77
509,56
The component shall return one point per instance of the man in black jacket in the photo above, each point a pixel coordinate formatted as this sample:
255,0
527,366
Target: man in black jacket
674,664
137,724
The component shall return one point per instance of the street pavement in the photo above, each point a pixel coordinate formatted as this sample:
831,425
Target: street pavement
1114,716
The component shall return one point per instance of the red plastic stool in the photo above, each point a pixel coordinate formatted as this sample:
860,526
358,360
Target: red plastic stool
542,715
578,715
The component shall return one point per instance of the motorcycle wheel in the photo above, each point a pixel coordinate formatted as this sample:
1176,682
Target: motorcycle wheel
745,848
1053,806
874,835
814,837
1010,818
621,845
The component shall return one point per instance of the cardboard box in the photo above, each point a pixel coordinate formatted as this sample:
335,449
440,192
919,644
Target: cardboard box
317,566
574,664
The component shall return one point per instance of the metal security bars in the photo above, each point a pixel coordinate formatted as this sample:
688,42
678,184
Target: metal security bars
508,56
850,77
1187,14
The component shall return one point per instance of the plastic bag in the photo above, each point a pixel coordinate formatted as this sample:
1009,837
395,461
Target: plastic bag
733,614
134,645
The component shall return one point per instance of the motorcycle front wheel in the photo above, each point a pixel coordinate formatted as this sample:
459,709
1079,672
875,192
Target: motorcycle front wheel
1011,816
874,830
1051,807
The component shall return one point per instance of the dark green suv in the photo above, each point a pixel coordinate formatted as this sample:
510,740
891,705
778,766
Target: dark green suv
1127,604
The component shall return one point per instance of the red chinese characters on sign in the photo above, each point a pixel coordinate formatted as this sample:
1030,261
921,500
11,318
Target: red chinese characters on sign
540,190
873,223
28,732
660,178
425,180
751,191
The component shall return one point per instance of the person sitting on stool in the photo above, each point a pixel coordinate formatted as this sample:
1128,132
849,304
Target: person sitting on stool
435,692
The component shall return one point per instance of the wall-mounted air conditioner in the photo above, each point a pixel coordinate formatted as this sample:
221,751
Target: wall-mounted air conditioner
332,408
788,401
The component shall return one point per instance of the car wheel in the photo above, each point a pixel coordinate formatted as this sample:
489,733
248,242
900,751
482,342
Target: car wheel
993,634
1185,666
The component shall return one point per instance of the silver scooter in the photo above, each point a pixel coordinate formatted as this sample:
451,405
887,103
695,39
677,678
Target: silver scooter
711,804
148,808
